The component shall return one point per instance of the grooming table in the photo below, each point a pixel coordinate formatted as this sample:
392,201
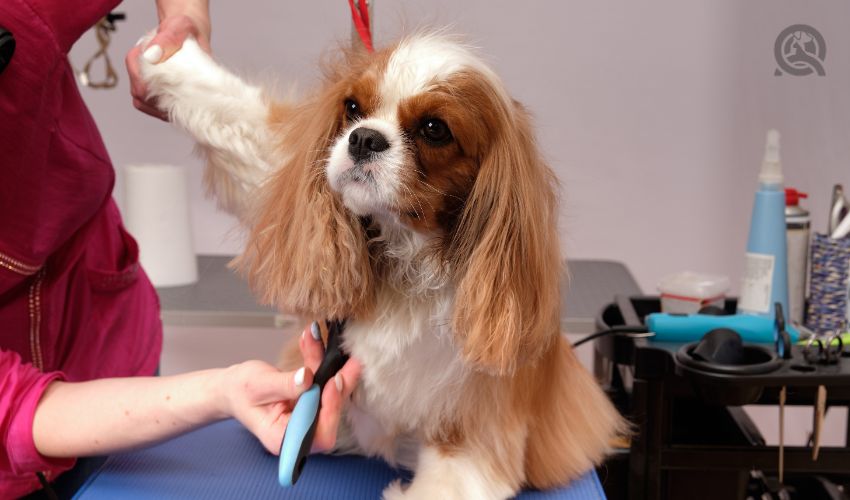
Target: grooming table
224,460
221,299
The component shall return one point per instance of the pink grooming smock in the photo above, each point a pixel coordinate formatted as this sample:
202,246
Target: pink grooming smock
74,303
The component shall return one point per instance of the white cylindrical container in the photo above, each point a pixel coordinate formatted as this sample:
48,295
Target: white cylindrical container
797,225
688,292
156,212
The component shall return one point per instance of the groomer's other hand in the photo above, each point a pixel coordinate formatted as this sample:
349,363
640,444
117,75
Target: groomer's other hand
177,20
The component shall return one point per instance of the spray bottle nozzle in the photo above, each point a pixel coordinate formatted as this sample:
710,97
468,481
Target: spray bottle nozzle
771,168
793,197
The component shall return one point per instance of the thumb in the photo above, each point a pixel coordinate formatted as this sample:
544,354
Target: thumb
276,386
171,34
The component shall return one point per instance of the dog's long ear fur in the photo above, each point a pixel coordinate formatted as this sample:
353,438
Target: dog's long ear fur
306,253
506,253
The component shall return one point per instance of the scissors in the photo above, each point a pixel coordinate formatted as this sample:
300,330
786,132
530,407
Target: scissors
825,349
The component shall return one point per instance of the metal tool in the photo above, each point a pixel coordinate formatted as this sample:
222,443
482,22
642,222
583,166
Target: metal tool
839,207
824,349
839,214
842,229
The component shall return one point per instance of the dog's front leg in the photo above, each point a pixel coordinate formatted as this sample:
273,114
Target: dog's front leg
456,474
224,114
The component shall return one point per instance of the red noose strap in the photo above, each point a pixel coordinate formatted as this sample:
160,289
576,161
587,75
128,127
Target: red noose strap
361,22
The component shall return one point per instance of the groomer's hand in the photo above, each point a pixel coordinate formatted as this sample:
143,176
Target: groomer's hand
262,397
335,392
177,20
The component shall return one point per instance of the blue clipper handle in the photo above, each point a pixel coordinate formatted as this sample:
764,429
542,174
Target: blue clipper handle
298,437
691,327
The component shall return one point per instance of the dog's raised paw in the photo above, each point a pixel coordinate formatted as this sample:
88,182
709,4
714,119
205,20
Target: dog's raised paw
184,74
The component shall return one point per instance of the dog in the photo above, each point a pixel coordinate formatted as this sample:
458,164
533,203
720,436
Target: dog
408,196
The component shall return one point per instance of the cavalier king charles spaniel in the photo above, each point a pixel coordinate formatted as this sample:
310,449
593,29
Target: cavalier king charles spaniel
407,195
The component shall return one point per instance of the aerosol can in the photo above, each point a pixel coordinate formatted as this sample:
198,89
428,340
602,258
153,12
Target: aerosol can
797,225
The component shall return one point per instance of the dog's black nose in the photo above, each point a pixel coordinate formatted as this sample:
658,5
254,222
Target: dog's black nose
364,142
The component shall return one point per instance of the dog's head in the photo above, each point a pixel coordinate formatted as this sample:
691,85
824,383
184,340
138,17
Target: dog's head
424,135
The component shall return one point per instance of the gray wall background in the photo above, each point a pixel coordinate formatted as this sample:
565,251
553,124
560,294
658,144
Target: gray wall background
652,113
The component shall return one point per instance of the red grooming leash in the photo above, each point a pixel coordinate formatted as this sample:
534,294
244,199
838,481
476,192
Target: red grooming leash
361,22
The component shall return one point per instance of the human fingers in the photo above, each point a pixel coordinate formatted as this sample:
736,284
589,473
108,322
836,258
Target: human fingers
272,385
312,349
329,415
350,373
146,108
138,89
336,391
170,35
270,427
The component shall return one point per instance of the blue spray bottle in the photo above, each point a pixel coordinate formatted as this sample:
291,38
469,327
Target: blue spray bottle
765,280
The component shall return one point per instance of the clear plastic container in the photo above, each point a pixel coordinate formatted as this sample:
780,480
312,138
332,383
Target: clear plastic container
688,292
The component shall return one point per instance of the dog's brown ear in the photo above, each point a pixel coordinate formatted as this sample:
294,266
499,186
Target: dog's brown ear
306,254
506,252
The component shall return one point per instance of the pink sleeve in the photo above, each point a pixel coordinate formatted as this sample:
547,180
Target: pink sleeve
21,387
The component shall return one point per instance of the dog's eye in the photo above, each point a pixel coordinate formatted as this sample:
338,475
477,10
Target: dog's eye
352,110
435,131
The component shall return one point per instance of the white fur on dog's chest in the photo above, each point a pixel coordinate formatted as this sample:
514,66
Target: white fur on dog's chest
412,370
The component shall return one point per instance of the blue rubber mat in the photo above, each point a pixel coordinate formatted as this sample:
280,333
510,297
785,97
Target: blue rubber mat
224,460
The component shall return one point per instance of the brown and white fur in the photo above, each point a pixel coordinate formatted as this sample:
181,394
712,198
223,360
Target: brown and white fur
443,255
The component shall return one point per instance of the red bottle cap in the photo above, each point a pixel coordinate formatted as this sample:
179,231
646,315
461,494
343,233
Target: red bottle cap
792,197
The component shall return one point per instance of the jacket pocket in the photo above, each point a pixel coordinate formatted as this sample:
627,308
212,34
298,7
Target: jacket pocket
127,272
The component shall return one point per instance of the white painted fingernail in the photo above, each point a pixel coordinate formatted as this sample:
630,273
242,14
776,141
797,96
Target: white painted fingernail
140,40
299,377
338,382
315,332
153,54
